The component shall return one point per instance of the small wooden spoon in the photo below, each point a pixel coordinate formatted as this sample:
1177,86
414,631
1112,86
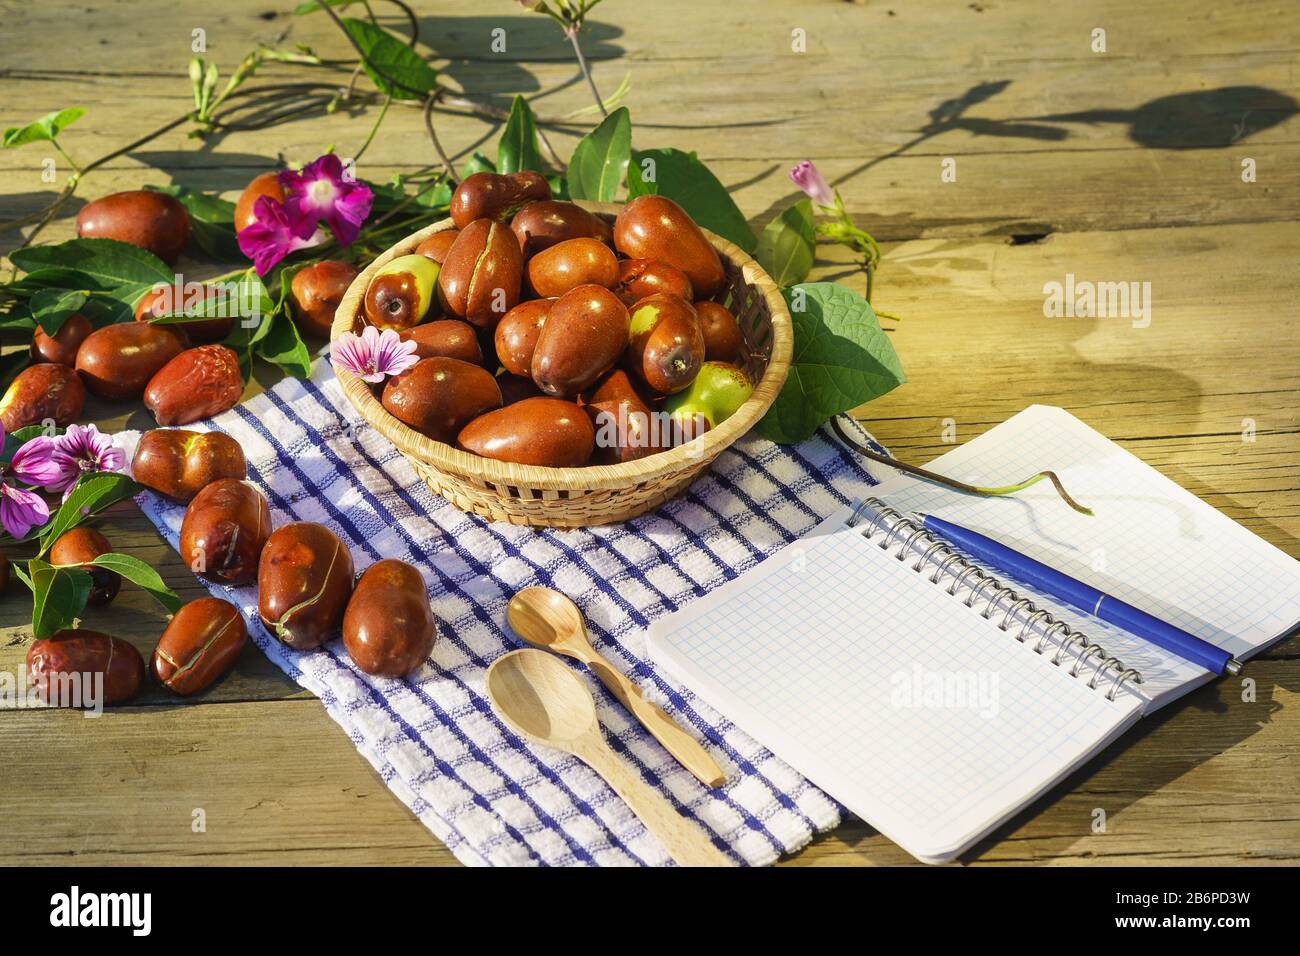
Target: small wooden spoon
538,696
547,619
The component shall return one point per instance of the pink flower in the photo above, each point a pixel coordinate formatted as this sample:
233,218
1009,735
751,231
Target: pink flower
373,354
81,451
20,510
276,232
813,183
33,463
321,191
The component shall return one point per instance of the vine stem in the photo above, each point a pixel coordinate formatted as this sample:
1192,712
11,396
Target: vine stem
572,33
373,130
838,425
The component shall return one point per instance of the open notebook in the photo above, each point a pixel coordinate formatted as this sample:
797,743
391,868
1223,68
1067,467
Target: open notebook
935,706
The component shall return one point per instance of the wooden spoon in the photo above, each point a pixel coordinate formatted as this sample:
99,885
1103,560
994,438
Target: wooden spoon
547,619
538,696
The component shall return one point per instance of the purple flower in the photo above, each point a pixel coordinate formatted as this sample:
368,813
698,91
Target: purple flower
321,191
806,177
20,510
276,232
33,463
81,451
373,354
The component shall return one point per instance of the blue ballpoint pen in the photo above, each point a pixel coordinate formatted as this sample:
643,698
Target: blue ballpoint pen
1085,597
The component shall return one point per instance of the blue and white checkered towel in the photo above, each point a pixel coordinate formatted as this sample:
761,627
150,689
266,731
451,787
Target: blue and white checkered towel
433,737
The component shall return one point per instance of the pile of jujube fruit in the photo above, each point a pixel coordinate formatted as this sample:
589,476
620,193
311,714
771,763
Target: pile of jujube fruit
546,337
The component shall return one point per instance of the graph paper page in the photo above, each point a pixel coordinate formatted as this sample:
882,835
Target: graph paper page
906,706
1151,542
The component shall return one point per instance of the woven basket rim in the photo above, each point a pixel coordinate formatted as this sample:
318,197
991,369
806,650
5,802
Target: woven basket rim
448,458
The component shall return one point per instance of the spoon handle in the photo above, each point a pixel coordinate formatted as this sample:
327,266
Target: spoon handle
685,842
685,748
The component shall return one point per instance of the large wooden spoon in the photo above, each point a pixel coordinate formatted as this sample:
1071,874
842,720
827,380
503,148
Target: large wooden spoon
541,699
548,619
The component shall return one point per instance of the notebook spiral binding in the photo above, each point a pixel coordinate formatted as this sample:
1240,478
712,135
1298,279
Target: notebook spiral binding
893,527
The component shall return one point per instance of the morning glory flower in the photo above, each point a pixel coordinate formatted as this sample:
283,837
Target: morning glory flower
274,234
322,192
806,176
373,355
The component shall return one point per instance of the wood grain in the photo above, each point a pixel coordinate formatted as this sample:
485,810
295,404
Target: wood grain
1124,166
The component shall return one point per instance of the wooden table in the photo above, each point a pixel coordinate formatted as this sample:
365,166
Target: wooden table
1117,166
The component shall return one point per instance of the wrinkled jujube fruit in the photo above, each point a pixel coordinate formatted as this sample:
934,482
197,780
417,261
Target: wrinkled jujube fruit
198,383
66,667
143,217
48,390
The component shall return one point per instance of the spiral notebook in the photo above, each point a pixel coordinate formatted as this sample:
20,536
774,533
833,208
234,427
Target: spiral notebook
933,699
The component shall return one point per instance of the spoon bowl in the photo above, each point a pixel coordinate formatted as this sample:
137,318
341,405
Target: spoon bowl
540,697
545,617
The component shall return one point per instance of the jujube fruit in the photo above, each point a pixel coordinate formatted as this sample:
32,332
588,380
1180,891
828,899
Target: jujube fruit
181,300
481,274
118,360
722,338
79,546
437,245
65,668
516,335
223,531
198,383
199,644
315,294
536,431
574,262
180,463
265,184
638,278
585,333
388,626
61,347
449,338
439,396
48,390
496,196
540,225
667,346
400,293
304,579
143,217
655,227
716,394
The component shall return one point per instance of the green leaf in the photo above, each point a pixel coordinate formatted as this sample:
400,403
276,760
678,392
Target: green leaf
787,245
58,596
200,205
600,158
478,163
842,360
11,363
92,494
107,261
393,59
45,128
688,182
51,307
282,345
517,149
141,575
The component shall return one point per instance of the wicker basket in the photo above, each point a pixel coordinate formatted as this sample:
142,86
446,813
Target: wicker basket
597,494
